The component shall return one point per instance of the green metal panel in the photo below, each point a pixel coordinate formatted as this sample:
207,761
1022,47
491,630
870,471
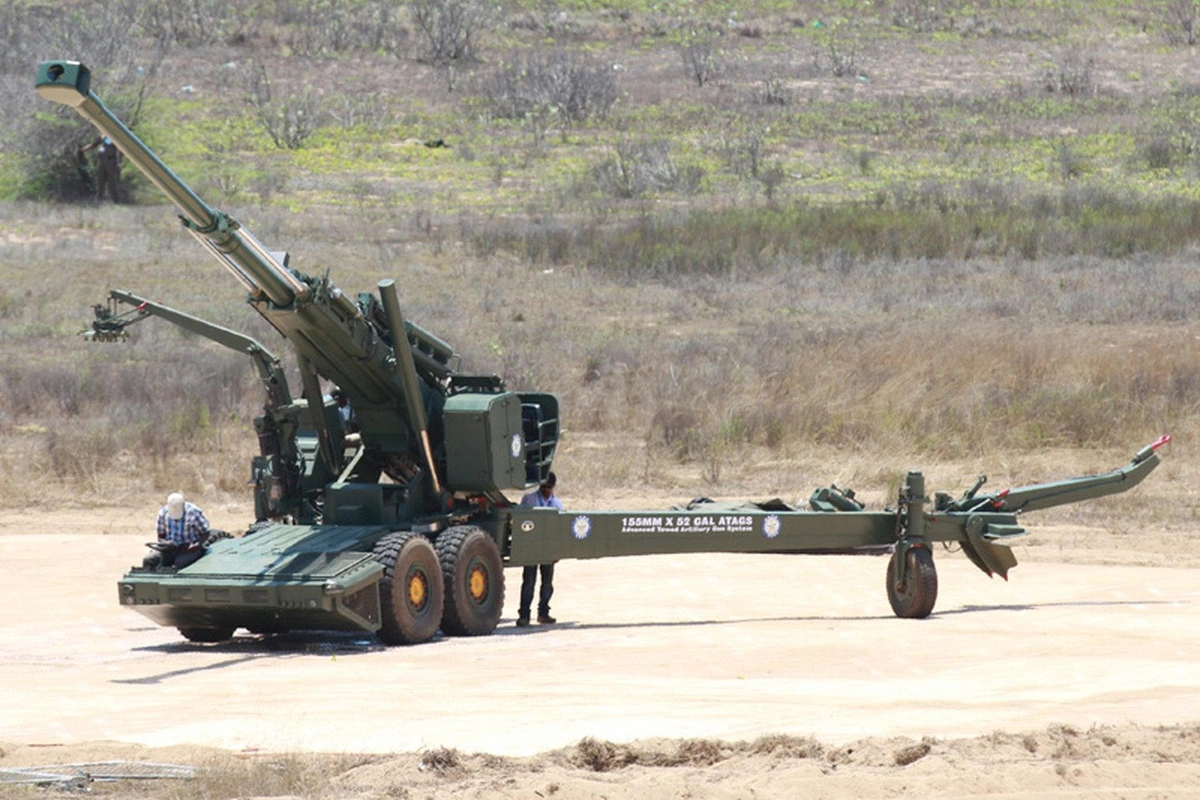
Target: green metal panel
363,504
542,535
484,447
297,576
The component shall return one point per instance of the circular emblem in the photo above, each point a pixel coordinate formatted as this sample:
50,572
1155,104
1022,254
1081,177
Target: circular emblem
514,445
581,527
527,525
771,526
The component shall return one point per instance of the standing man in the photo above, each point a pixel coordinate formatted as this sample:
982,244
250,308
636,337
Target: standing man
542,497
108,167
182,528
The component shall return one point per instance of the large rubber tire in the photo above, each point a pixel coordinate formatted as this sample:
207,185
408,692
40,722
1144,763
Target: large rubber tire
914,596
474,575
410,593
208,635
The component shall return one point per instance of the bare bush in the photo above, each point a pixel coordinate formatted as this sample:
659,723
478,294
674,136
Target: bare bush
702,58
370,111
202,22
324,27
839,50
676,427
1070,162
1071,73
1162,152
570,87
774,91
451,27
744,150
771,178
273,775
224,170
785,746
925,16
442,760
912,753
1181,22
289,120
635,168
689,752
599,755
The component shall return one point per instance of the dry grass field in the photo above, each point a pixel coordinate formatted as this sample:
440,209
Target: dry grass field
786,245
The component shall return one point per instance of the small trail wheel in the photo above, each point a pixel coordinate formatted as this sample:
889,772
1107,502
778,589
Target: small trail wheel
410,592
474,575
913,596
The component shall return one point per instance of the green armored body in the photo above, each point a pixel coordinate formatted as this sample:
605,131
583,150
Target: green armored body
402,526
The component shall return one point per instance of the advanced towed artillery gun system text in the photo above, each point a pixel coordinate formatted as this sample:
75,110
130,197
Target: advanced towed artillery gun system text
403,526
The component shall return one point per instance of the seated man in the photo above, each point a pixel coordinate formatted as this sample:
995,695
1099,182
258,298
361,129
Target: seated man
182,529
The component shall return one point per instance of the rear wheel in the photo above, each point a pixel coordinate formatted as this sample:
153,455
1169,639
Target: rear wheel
208,635
913,596
474,576
410,592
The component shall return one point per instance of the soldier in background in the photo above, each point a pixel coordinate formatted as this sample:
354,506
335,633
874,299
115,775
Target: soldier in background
345,411
108,167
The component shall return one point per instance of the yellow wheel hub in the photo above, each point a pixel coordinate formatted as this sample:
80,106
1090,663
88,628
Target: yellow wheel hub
418,590
477,584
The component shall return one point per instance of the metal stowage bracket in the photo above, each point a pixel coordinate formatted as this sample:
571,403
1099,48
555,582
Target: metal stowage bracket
90,771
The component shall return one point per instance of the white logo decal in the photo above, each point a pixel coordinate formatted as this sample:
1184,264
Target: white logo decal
514,446
527,525
771,526
581,527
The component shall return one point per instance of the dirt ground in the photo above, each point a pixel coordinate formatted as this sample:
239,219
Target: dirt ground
702,675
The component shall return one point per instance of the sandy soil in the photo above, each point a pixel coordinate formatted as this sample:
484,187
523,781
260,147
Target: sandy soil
714,676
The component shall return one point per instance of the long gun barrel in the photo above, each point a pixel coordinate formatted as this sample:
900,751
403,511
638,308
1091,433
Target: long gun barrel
327,329
415,415
68,83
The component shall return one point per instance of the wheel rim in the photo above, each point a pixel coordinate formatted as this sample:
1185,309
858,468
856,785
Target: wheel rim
478,583
418,590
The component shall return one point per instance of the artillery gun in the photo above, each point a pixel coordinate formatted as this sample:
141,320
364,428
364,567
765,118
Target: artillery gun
404,527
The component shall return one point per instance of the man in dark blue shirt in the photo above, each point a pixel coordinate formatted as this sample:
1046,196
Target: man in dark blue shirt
542,497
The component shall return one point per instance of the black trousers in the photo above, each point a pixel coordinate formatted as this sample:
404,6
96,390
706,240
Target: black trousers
108,176
528,579
172,557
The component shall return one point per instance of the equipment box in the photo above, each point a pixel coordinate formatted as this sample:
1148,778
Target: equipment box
484,447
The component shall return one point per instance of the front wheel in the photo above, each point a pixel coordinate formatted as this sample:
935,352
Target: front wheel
208,635
410,592
913,596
